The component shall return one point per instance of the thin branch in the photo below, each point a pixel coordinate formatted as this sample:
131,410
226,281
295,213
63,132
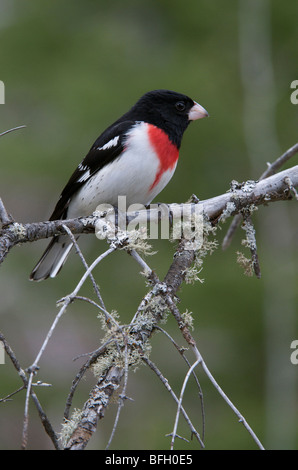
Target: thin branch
26,413
122,396
272,169
189,372
66,301
5,218
109,318
34,367
251,243
241,418
271,189
79,252
279,162
12,130
181,351
291,187
94,408
93,357
7,398
44,419
13,359
190,340
168,387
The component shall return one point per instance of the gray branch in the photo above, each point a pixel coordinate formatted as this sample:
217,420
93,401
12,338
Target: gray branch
240,199
273,188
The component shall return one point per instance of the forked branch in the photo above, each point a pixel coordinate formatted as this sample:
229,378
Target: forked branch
125,345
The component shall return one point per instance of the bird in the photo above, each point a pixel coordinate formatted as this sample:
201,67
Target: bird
135,157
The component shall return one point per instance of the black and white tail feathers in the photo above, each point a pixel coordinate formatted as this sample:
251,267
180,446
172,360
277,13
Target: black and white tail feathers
52,259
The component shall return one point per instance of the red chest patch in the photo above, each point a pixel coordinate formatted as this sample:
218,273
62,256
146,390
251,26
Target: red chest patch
166,151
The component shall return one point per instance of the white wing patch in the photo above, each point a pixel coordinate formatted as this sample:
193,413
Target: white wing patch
85,169
112,143
84,176
82,167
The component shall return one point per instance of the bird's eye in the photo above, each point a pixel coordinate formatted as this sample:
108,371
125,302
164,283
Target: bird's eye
180,106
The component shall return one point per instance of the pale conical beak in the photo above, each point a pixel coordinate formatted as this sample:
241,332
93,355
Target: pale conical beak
197,112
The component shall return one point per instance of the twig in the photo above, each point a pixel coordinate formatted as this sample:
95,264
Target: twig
94,408
147,270
13,359
279,162
272,169
189,372
5,218
168,387
291,187
44,419
109,381
7,398
78,250
122,397
34,367
251,243
66,301
181,351
11,130
80,375
26,413
226,399
190,340
109,318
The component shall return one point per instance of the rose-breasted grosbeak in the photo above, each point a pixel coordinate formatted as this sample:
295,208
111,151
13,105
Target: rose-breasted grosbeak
135,157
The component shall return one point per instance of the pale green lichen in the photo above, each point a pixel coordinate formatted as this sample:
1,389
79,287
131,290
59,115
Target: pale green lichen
207,247
69,425
109,321
138,243
102,364
19,230
123,350
132,240
250,240
188,319
192,274
127,345
246,186
228,211
119,356
245,263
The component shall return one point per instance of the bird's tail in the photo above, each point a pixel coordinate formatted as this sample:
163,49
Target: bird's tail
53,258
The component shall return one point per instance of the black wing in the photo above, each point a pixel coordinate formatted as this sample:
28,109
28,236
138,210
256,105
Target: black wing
105,149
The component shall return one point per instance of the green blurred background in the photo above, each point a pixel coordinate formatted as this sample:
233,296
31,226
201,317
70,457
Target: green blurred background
72,67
